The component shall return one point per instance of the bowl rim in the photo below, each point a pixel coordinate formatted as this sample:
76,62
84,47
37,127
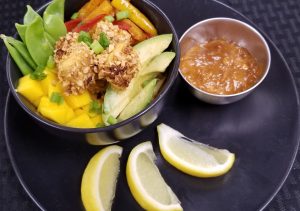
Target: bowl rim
162,93
267,69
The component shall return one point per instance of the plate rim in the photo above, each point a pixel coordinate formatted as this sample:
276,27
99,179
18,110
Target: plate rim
264,204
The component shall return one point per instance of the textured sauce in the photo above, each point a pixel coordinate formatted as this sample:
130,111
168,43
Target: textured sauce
220,67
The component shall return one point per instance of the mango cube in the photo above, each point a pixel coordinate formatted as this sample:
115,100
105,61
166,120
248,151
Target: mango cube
30,89
81,121
50,80
97,120
77,101
54,88
58,113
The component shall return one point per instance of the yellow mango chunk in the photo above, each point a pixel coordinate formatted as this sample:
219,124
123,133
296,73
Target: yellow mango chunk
30,89
97,120
50,80
76,101
58,113
54,88
82,121
79,111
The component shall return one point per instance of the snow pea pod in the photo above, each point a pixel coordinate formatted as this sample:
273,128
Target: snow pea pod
21,31
30,15
21,48
19,60
37,44
54,19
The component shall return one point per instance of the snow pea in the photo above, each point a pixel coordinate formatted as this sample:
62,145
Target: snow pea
21,31
19,60
54,19
37,43
30,15
21,48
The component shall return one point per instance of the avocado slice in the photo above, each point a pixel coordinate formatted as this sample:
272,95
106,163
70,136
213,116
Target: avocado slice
116,100
139,102
159,63
152,47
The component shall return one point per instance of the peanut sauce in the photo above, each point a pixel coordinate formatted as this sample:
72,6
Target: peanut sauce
220,67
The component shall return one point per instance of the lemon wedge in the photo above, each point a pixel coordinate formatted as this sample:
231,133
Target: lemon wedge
146,183
192,157
99,179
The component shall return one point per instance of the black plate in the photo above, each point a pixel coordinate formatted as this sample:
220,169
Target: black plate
262,129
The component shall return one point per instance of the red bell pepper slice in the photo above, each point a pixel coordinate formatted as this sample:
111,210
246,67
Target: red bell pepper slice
89,24
122,25
70,25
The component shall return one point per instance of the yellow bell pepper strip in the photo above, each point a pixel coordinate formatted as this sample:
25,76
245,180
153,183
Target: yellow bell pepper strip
19,60
135,16
137,34
88,8
54,19
104,8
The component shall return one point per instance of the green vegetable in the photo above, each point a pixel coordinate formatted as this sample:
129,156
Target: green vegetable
96,47
85,37
21,31
30,15
56,98
75,16
122,15
111,120
28,19
21,48
109,18
51,62
95,107
50,39
103,40
54,19
37,44
100,124
140,101
38,74
19,60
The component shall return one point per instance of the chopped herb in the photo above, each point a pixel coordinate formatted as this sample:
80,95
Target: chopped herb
85,37
96,47
100,124
111,120
56,98
51,62
38,74
103,40
74,16
122,15
95,107
109,18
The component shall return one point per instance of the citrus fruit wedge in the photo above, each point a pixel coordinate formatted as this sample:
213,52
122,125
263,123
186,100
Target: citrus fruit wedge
99,179
146,183
192,157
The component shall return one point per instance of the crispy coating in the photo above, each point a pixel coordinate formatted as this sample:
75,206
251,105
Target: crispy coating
80,69
75,63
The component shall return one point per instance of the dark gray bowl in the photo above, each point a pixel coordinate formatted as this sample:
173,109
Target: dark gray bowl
124,129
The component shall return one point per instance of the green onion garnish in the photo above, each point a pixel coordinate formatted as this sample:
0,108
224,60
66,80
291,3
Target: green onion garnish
111,120
109,18
51,62
56,98
85,37
38,74
99,124
95,107
96,47
103,40
74,16
122,15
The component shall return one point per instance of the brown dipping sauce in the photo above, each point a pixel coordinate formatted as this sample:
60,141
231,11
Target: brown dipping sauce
220,67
